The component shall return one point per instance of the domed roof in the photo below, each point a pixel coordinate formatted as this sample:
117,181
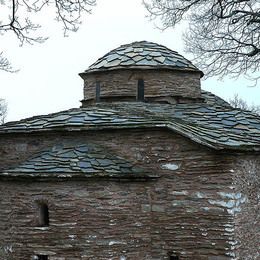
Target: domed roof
142,55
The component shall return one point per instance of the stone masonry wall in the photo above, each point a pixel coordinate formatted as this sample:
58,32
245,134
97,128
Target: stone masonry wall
246,175
184,212
122,83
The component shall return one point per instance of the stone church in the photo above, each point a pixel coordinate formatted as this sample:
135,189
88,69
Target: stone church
149,167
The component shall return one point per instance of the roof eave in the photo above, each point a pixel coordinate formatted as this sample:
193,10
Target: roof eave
167,125
43,176
139,67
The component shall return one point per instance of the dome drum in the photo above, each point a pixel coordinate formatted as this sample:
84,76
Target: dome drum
122,85
164,75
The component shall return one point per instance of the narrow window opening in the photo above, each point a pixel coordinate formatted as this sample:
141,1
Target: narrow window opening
41,257
173,256
140,90
97,91
43,216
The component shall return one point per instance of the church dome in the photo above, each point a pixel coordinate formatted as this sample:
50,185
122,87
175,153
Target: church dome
141,71
142,55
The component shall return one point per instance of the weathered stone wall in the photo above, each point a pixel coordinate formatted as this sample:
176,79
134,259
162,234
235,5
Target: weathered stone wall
123,83
246,174
185,211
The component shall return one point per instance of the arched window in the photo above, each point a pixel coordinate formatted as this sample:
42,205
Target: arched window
43,215
140,90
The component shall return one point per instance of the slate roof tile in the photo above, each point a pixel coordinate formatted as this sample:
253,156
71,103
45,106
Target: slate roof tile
93,161
214,124
141,54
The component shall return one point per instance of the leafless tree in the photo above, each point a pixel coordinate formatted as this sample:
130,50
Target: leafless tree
19,19
3,110
223,35
238,102
5,64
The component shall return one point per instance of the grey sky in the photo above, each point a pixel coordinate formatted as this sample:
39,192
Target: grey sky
48,79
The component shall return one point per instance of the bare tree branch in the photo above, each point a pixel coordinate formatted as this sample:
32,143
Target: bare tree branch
5,64
3,110
20,19
238,102
223,36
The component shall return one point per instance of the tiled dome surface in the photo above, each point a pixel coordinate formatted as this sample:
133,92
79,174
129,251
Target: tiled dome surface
146,55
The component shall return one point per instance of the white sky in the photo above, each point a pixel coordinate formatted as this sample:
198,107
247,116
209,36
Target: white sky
48,79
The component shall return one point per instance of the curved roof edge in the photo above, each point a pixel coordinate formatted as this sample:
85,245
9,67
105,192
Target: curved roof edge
218,127
142,55
89,161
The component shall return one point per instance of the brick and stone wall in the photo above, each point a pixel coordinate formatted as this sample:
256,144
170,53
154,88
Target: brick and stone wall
122,84
188,211
246,180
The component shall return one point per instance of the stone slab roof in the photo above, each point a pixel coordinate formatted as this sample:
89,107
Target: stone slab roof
146,55
218,126
77,160
213,100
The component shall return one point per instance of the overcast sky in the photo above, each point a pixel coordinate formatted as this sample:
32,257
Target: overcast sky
48,79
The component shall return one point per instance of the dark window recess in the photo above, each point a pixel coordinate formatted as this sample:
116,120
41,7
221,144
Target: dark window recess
41,257
174,257
43,216
140,90
98,92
